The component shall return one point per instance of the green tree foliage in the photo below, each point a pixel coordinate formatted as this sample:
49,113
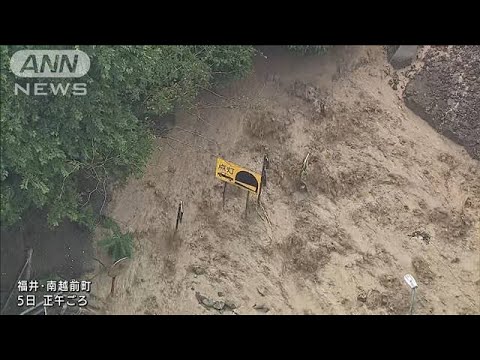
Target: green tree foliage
55,150
226,62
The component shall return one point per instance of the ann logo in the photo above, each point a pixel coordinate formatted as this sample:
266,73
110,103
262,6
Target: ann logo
50,63
56,65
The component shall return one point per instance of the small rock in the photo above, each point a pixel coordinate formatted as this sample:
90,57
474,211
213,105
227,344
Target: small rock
421,235
219,305
201,299
262,290
261,307
456,260
197,270
221,294
362,297
384,300
230,304
207,302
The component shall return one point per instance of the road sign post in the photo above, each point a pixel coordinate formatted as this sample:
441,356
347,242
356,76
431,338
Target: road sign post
263,181
413,300
116,269
179,215
238,175
223,195
410,280
234,174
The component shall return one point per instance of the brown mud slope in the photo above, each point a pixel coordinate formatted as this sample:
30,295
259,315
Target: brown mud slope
446,93
385,195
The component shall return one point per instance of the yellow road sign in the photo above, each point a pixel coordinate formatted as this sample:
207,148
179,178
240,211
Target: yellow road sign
237,175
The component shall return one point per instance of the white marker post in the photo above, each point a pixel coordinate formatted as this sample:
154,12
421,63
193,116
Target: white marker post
413,285
115,270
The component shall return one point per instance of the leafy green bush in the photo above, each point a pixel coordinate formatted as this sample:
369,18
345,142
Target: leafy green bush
118,244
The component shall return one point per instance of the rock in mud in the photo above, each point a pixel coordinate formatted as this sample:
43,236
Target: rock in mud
362,297
421,235
203,300
197,269
394,81
230,304
403,56
262,290
445,94
262,307
208,302
219,305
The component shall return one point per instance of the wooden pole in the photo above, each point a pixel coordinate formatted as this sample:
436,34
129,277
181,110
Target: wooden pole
263,181
260,192
266,165
179,215
413,301
223,196
112,289
178,221
181,211
246,204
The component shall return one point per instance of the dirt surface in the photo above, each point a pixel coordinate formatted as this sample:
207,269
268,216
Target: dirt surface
446,93
384,195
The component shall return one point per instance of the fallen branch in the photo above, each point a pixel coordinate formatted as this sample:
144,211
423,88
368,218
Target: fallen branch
90,194
265,213
105,196
305,163
199,118
213,92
